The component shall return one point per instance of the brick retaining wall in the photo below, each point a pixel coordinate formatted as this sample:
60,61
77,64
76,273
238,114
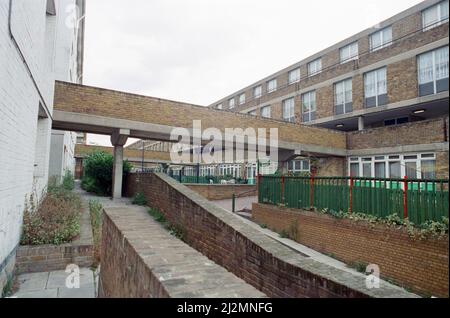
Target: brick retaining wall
140,259
222,191
421,265
262,262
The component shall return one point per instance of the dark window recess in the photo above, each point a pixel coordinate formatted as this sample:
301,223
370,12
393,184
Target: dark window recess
371,102
382,99
349,107
442,85
426,89
396,121
402,120
390,122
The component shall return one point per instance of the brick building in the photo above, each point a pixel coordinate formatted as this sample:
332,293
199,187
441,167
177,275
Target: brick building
383,80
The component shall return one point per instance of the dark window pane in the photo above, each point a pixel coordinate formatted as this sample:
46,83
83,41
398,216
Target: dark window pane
394,170
354,169
349,107
380,170
402,120
371,102
428,169
390,122
411,170
339,109
382,99
442,85
426,89
313,116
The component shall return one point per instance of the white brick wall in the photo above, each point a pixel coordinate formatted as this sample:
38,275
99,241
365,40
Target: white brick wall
23,141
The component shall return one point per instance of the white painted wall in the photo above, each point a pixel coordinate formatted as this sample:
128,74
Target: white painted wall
25,126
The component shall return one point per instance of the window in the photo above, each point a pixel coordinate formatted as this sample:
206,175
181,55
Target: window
257,91
435,15
266,112
396,121
375,88
381,39
315,67
220,106
349,52
309,106
231,103
289,110
297,166
294,76
343,97
433,72
415,166
272,85
242,99
253,113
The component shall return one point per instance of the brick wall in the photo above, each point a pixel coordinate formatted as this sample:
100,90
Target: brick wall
262,262
34,259
222,191
423,132
140,259
83,150
421,265
108,103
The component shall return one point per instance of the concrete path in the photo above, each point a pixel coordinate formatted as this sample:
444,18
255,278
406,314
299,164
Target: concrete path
53,285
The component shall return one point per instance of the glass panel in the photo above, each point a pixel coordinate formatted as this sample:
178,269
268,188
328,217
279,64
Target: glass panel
411,169
394,170
354,169
306,165
367,170
430,16
426,68
380,169
428,169
441,63
381,81
369,84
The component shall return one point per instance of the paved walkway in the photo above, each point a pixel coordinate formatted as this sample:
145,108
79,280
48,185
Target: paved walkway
53,285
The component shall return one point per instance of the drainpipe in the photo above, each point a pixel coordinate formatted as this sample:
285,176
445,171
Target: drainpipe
16,44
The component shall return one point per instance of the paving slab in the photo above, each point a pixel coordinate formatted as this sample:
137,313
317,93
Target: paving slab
33,282
44,293
83,292
58,279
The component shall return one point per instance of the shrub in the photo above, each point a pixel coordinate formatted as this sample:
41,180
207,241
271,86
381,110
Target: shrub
68,181
55,219
98,169
139,199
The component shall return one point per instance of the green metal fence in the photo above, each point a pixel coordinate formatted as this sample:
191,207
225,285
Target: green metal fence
418,200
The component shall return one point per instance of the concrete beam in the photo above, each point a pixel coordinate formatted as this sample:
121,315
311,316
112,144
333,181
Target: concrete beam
120,136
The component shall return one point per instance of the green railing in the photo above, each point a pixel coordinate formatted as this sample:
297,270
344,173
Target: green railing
418,200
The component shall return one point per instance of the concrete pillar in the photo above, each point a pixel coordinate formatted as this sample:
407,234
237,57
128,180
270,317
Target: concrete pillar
118,139
360,123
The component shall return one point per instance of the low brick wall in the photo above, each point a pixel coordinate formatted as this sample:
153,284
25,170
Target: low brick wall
421,265
223,191
262,262
35,259
140,259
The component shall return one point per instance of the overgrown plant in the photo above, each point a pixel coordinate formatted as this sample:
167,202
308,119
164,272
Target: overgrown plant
139,199
174,230
95,209
68,182
52,219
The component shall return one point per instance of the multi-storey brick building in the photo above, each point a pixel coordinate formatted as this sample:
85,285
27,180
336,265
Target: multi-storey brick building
395,73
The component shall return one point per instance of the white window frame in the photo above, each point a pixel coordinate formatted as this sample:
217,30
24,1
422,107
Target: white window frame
273,82
433,53
242,99
345,101
441,19
391,158
257,91
384,43
307,103
220,106
269,112
298,165
376,84
291,79
231,103
315,67
349,48
291,117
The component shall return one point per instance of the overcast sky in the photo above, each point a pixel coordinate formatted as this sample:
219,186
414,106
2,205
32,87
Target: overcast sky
199,51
